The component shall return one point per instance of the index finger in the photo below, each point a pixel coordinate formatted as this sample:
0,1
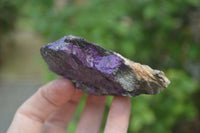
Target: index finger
32,114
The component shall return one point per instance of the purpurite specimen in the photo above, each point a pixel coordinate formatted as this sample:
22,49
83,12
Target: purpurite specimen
98,71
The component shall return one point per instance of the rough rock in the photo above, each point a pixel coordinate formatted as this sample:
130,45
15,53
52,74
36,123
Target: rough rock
98,71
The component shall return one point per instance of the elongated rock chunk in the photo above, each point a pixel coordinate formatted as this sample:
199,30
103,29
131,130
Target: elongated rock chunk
98,71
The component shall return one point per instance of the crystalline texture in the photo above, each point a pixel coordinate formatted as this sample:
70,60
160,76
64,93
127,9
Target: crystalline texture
98,71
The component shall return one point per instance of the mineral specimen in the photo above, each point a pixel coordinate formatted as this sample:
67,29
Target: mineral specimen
98,71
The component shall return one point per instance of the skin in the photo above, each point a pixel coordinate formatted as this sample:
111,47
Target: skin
52,107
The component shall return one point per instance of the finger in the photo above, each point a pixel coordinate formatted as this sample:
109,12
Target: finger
118,117
90,121
31,115
59,120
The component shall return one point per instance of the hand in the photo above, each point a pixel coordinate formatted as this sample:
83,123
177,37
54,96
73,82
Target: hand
51,108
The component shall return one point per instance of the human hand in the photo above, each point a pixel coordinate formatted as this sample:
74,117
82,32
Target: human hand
51,108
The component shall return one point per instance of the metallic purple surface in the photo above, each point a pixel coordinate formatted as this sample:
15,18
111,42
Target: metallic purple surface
98,71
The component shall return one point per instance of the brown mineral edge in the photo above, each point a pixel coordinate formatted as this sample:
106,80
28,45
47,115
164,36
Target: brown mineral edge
146,80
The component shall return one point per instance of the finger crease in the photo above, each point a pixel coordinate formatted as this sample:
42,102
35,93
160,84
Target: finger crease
73,102
48,100
55,123
30,116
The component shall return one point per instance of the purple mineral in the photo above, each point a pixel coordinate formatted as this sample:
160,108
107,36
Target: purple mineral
98,71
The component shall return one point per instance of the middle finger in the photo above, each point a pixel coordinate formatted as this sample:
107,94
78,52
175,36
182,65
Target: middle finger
90,121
